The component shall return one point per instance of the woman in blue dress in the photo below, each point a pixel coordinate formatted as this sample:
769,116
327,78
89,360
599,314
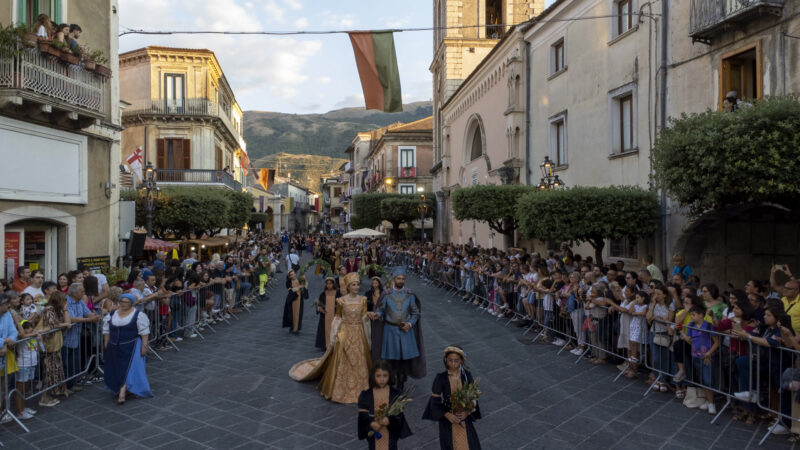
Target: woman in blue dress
125,333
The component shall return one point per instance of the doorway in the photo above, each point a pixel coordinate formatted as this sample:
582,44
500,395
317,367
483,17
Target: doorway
33,244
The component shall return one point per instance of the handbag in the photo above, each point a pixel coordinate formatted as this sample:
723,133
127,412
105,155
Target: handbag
588,325
53,342
662,339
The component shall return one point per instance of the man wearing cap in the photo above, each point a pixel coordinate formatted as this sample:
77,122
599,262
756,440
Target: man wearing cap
399,340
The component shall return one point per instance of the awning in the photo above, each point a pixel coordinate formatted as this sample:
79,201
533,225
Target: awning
158,244
216,241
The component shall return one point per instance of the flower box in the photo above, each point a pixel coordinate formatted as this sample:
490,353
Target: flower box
102,70
29,39
46,46
68,57
88,64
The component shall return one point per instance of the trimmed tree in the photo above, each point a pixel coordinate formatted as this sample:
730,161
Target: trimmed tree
588,214
366,210
493,204
711,160
398,209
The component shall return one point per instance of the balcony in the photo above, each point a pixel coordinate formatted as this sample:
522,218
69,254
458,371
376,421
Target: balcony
408,172
710,17
44,88
188,108
197,177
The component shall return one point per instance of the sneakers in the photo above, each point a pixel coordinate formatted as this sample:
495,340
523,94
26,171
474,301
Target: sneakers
25,415
177,339
577,351
6,418
746,396
192,336
559,342
49,403
712,409
704,406
226,315
680,376
30,411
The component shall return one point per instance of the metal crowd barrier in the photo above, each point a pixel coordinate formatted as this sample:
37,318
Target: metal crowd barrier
180,313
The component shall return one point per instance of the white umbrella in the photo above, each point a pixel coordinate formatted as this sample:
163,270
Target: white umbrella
364,233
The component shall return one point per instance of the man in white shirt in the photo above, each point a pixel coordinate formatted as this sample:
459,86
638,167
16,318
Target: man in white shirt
35,289
292,260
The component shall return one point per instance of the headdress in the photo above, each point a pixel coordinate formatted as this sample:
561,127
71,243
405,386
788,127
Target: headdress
454,349
399,270
351,277
130,298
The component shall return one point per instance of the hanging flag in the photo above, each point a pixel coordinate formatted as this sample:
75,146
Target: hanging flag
135,163
377,68
245,160
266,178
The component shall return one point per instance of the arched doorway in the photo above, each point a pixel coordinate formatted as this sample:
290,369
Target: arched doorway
740,243
40,237
270,220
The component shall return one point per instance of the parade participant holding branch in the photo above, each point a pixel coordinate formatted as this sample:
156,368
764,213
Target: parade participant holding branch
345,366
378,421
326,308
456,428
400,339
293,308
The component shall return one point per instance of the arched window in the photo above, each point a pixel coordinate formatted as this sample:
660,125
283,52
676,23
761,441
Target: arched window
477,144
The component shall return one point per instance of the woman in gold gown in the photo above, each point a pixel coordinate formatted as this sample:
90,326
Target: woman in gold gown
344,368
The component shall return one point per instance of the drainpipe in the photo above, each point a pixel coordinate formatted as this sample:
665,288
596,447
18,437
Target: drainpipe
527,113
783,63
663,120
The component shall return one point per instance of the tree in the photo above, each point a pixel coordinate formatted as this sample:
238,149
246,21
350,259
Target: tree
491,203
257,218
366,210
398,209
186,210
588,214
714,159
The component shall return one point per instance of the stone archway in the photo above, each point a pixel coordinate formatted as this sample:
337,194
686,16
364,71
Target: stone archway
65,221
741,243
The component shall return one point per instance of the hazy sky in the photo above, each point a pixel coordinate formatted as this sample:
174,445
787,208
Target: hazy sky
295,74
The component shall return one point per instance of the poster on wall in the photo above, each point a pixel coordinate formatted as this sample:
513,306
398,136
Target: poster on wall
94,263
12,253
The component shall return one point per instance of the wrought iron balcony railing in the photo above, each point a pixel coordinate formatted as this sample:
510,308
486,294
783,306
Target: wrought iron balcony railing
709,17
197,176
44,75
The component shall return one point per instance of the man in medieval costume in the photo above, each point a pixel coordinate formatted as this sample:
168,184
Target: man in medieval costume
397,330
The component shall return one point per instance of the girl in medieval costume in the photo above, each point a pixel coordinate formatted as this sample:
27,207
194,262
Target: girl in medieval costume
326,308
456,430
381,433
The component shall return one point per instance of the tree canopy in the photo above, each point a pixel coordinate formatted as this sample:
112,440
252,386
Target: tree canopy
711,160
588,214
193,210
490,203
369,210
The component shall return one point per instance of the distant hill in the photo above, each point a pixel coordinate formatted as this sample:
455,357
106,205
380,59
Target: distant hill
326,134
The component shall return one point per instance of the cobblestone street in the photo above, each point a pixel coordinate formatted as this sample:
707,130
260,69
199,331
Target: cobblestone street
233,391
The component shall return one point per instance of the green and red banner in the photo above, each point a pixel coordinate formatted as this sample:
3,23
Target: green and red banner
377,68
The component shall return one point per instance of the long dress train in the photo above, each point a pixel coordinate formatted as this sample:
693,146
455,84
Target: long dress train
344,368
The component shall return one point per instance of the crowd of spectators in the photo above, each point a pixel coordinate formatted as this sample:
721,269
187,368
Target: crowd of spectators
680,335
51,330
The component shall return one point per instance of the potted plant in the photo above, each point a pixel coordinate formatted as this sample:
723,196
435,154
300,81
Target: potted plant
100,60
91,57
29,38
68,56
9,41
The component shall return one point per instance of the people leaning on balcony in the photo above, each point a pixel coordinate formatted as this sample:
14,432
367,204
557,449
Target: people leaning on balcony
43,26
60,34
74,34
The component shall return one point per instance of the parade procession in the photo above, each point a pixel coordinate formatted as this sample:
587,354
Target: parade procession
452,224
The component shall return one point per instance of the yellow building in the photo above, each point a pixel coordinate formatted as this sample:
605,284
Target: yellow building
184,116
60,131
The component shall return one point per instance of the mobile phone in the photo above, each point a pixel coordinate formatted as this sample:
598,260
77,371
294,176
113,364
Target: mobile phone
779,267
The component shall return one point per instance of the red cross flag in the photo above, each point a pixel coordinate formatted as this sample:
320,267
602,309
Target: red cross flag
135,162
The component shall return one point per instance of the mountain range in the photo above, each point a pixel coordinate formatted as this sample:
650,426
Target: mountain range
328,134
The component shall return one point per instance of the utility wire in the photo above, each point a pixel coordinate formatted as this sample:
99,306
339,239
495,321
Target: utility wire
390,30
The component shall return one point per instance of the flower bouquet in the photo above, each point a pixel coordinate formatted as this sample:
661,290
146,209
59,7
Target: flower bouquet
395,408
464,400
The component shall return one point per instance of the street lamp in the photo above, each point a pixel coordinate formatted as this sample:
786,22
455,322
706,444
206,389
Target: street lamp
150,186
423,209
549,181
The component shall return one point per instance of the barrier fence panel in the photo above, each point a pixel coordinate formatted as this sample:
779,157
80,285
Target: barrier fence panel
774,383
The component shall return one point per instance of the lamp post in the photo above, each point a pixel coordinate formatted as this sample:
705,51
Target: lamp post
388,182
423,209
549,181
149,185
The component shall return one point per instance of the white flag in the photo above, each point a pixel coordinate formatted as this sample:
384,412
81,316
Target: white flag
135,163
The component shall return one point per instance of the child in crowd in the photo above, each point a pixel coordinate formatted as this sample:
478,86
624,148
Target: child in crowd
28,361
704,345
637,334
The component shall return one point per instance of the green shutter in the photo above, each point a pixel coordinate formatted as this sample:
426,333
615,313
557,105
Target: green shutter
56,11
21,8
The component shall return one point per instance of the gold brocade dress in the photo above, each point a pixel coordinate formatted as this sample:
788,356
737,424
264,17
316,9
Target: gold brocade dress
344,368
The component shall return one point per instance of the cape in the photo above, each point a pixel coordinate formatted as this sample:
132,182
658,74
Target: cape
417,366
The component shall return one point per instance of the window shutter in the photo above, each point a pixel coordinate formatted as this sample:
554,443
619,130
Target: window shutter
161,153
187,154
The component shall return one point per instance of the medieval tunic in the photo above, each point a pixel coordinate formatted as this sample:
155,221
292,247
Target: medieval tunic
398,307
327,301
452,437
370,401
